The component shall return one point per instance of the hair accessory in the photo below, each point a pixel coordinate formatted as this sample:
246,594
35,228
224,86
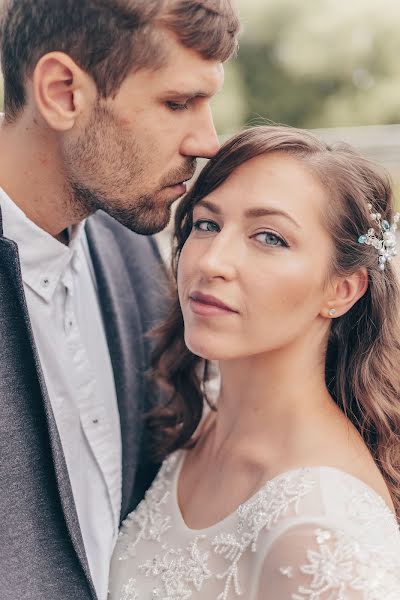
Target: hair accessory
332,312
384,240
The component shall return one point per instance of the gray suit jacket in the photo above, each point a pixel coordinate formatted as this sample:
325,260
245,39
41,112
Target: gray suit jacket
42,556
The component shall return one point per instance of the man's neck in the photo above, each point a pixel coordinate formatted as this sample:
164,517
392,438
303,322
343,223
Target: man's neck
33,175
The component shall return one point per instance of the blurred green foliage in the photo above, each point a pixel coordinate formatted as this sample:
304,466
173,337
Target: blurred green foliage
320,63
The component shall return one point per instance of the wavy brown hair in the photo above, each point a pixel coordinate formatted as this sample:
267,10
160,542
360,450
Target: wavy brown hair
363,351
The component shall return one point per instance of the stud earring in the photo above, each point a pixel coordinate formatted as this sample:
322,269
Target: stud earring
332,312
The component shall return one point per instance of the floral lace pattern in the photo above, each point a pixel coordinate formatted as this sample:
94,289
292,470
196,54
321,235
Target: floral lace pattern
263,511
168,561
370,511
129,590
178,570
182,570
149,518
340,565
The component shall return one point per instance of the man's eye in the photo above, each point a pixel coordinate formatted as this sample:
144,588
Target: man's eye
178,105
270,239
205,225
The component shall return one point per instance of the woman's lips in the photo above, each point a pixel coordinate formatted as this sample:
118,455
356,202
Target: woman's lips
206,305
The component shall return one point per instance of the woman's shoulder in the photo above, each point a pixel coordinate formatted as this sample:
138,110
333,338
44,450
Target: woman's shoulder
331,534
301,494
335,492
325,558
347,495
319,495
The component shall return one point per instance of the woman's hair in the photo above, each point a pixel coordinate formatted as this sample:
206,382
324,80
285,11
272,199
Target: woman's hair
363,353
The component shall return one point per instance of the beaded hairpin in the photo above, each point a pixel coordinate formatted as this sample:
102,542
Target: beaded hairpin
384,241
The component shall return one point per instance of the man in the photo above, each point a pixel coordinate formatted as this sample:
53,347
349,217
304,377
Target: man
106,107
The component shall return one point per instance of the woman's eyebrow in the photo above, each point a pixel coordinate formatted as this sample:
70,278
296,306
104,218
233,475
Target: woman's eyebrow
263,212
251,212
211,207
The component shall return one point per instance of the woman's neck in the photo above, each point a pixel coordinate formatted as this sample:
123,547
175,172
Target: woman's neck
270,404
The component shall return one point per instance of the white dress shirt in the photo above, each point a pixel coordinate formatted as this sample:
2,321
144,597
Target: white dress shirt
63,306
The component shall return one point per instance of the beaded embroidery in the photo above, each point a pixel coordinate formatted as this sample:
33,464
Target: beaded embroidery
148,516
334,564
340,565
129,591
181,570
178,570
270,504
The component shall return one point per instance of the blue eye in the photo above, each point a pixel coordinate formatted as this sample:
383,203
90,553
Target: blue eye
270,239
205,225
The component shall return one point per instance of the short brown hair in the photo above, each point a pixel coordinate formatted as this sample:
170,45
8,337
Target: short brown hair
107,38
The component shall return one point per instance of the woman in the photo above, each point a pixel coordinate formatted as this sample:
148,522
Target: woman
289,487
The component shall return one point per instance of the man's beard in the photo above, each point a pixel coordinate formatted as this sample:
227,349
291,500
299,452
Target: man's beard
143,215
104,163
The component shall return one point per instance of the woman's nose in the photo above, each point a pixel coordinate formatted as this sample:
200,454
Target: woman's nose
218,260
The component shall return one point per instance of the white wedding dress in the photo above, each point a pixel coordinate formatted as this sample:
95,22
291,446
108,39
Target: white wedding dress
315,533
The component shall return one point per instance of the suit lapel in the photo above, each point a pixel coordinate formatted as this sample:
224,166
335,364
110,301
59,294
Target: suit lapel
10,261
124,336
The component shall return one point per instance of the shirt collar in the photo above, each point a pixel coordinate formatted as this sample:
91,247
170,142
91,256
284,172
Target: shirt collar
43,258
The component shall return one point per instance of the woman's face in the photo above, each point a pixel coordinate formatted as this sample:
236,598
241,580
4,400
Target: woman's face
252,274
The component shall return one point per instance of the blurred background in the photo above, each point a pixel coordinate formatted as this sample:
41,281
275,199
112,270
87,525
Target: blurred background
330,65
314,64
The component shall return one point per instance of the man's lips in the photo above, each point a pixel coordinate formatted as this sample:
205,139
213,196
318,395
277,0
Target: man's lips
205,304
179,188
181,182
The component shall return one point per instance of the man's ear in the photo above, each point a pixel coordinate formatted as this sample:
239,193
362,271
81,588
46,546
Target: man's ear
343,293
62,90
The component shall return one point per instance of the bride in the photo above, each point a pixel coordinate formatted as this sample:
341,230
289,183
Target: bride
288,485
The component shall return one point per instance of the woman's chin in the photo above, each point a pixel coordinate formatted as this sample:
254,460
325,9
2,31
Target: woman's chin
207,351
207,355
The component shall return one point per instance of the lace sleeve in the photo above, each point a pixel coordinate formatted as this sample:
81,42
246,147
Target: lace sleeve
308,562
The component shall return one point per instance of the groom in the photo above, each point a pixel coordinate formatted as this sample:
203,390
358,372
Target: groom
106,109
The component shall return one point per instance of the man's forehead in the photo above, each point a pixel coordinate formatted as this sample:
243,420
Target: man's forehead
204,81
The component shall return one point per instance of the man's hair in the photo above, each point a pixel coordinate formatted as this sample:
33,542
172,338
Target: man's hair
107,38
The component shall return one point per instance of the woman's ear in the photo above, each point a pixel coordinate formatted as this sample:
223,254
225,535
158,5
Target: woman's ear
62,90
344,292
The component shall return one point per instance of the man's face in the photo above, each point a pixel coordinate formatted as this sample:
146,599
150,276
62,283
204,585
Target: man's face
136,150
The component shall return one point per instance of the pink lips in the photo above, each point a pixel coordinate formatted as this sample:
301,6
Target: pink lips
205,305
179,188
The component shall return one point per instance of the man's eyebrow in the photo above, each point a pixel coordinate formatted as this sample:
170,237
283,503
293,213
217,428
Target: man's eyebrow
185,95
251,212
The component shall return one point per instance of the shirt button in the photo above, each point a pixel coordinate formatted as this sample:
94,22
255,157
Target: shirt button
95,421
45,282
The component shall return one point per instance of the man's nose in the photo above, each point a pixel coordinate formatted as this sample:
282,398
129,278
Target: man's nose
202,140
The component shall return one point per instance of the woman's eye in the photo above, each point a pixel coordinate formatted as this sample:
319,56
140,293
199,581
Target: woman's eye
177,105
205,225
270,239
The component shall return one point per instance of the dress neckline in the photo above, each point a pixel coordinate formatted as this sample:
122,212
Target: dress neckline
295,471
